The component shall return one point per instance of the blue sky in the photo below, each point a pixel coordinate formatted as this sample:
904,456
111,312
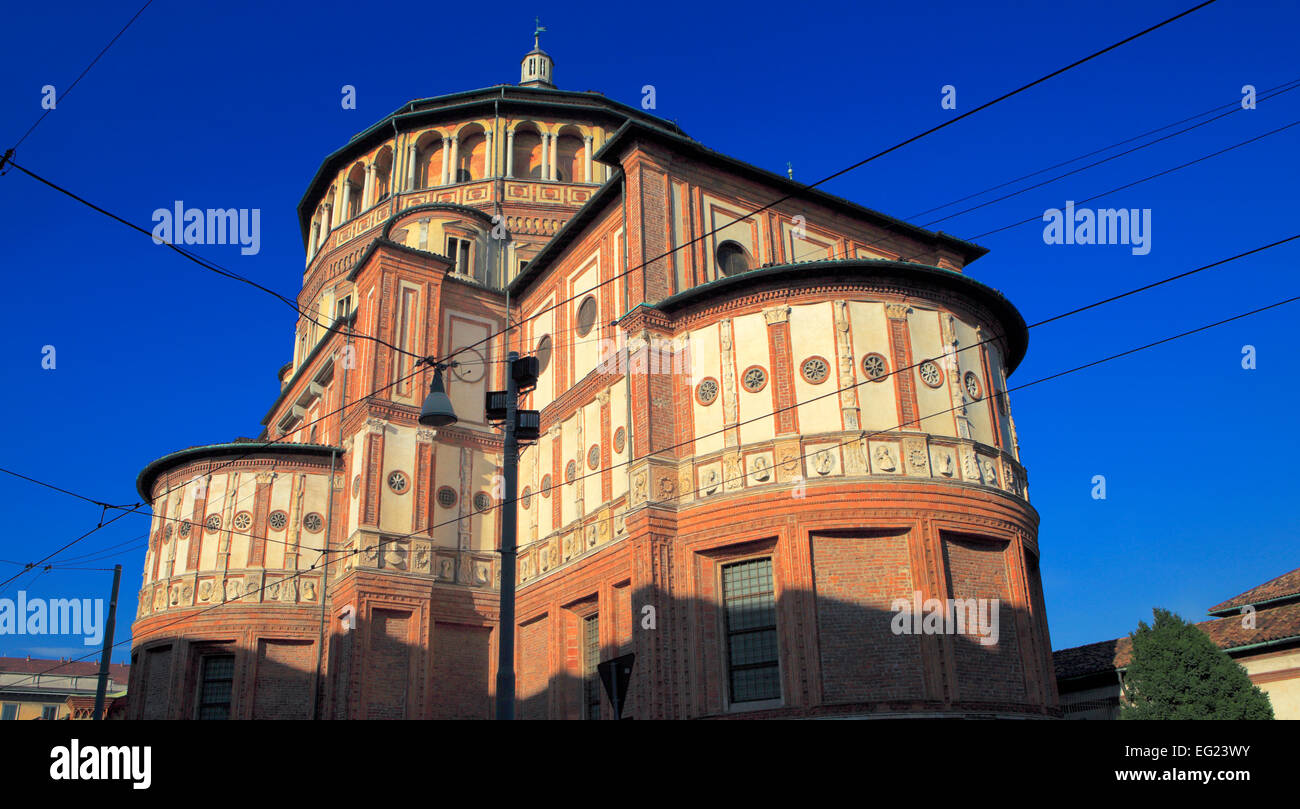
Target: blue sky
236,105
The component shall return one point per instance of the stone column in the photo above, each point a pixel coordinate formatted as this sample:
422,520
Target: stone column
546,155
347,197
327,223
586,149
489,166
315,234
412,155
510,153
455,159
446,159
368,189
555,140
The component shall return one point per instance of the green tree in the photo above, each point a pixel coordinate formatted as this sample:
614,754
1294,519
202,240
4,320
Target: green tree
1177,672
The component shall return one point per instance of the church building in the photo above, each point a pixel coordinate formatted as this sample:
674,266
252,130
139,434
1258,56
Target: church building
773,425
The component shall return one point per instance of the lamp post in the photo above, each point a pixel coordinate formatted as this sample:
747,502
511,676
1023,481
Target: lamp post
500,406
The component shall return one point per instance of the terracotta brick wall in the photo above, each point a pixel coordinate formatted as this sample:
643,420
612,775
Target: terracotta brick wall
461,660
388,661
978,569
285,671
856,579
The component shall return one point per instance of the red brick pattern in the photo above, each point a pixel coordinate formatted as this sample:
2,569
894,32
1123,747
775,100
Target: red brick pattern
862,660
533,670
386,682
156,683
783,400
904,375
977,568
461,656
285,670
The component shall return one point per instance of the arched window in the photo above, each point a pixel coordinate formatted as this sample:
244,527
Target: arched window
733,259
428,160
528,154
383,175
569,159
472,158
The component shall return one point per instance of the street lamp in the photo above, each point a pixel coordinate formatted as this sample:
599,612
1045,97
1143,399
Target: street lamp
437,410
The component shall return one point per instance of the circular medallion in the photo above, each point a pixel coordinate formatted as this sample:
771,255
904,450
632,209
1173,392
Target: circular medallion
526,498
356,485
167,532
186,525
212,523
482,502
278,520
620,439
242,521
875,367
754,379
570,471
546,486
815,370
397,481
446,497
973,387
313,522
930,373
470,367
706,393
593,457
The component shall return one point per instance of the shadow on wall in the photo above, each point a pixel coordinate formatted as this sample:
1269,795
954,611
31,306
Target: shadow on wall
797,656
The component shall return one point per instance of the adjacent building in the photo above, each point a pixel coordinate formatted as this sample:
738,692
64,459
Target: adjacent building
58,689
768,416
1260,629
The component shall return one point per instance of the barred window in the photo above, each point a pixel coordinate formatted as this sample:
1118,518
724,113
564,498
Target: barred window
749,604
49,712
590,659
8,712
215,686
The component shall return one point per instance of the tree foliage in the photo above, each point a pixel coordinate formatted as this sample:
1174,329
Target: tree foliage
1177,672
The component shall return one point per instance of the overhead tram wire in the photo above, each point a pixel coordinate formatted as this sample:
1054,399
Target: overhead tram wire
75,81
841,172
1042,380
1233,105
869,159
206,264
1171,170
221,270
795,405
1094,164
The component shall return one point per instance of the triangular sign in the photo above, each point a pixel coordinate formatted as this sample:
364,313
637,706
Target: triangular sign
615,675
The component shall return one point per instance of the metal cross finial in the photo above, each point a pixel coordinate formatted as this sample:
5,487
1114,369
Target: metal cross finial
537,22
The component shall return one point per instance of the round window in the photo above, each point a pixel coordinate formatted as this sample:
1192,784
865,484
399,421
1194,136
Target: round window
446,497
243,520
313,522
931,374
875,367
620,439
397,481
543,354
593,456
546,485
212,523
707,391
482,502
586,315
973,387
526,498
754,379
815,370
732,258
278,520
